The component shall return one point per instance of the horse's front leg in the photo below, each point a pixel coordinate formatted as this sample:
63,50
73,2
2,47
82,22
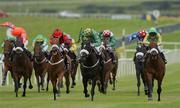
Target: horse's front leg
92,89
16,86
42,81
4,71
85,81
149,82
38,83
47,87
67,82
24,86
54,81
138,82
159,89
145,83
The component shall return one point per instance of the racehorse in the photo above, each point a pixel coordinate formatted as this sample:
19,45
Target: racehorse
7,50
91,68
56,70
40,64
154,69
21,66
109,69
74,65
139,65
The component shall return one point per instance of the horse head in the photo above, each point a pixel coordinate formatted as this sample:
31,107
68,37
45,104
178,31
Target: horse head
140,52
18,49
38,53
8,46
153,51
86,50
55,50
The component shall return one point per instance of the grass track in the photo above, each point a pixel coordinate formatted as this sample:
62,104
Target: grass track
123,97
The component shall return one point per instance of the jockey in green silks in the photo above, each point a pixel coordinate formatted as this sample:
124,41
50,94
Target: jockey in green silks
91,35
110,42
153,35
44,40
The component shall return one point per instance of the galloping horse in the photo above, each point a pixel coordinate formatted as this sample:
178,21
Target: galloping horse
91,68
7,50
40,65
74,65
139,65
154,69
21,66
56,70
109,69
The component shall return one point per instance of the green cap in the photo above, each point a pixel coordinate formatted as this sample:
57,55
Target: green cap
152,30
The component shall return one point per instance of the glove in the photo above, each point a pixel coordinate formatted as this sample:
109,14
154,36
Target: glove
65,49
92,45
102,46
71,49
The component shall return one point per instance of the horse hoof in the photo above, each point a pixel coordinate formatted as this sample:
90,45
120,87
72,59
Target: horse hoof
30,86
3,84
43,89
113,89
110,82
67,92
23,95
86,95
74,84
146,92
58,95
150,99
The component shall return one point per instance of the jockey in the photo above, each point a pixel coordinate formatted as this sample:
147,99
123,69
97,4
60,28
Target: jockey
54,38
108,36
18,32
67,42
41,38
139,36
153,35
9,35
93,36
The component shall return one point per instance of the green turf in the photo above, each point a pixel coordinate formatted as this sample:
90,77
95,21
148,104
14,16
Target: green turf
123,97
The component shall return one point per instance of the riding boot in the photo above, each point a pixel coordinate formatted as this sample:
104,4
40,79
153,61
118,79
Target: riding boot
113,57
101,61
28,53
65,62
163,57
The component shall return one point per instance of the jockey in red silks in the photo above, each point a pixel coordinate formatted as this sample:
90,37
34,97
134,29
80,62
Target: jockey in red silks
64,41
13,32
54,38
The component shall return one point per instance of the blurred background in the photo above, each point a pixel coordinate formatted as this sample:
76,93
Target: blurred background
122,17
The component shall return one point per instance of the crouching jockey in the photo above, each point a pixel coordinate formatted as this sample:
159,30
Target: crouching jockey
90,35
153,35
43,40
59,38
21,33
69,47
68,44
109,41
139,37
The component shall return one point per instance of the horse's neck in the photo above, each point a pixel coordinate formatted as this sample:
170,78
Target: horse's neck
106,55
22,58
92,58
56,58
